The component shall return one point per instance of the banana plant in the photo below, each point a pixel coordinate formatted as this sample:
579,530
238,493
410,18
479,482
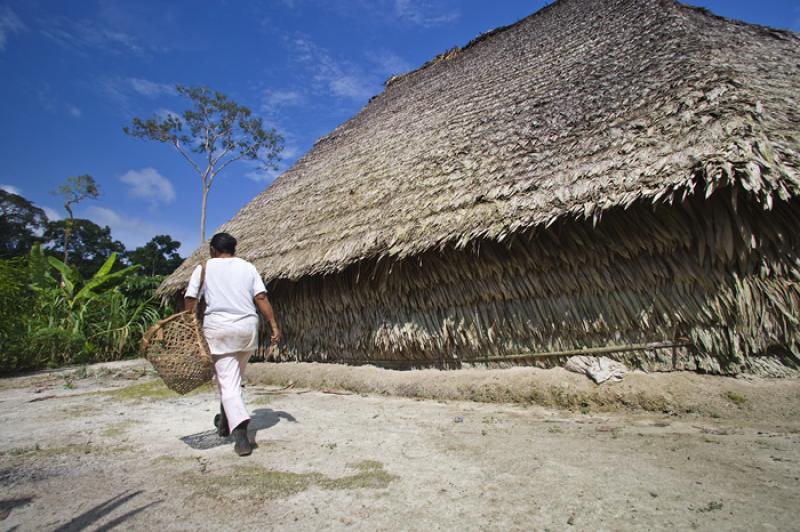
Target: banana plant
84,319
39,270
104,278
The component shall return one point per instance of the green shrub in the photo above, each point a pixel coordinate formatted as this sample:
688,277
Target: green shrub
52,316
16,309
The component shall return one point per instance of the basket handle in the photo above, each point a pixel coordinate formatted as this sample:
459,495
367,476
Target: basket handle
156,327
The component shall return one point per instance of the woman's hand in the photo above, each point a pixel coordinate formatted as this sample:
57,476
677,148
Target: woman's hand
264,306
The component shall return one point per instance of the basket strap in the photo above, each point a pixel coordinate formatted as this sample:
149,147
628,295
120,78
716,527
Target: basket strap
200,339
201,343
198,306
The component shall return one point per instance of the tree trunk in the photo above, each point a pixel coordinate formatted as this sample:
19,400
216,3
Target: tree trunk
203,215
67,231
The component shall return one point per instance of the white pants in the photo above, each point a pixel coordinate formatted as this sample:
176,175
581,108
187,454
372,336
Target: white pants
229,372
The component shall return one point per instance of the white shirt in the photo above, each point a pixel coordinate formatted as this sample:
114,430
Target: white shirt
230,322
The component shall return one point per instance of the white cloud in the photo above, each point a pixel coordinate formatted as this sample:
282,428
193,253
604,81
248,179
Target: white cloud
425,13
260,175
52,214
134,232
110,217
389,64
274,98
121,92
149,185
113,92
10,24
74,111
340,77
304,49
11,189
84,35
351,86
151,89
290,152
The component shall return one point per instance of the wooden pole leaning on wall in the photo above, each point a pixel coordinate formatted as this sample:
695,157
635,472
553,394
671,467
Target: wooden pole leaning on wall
589,351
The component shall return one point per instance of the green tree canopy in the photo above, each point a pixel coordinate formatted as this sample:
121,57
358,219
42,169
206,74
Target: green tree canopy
74,190
157,257
213,134
89,245
21,225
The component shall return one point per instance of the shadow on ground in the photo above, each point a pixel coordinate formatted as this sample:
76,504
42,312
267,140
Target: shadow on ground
87,518
261,419
7,505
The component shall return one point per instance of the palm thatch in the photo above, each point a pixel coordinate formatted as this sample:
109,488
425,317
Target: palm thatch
602,172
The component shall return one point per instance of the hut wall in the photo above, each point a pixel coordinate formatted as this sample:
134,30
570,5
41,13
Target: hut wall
720,274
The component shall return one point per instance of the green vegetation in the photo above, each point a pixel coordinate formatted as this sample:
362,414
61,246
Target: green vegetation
735,398
158,257
75,190
152,390
261,484
118,429
88,247
69,292
70,450
51,315
20,220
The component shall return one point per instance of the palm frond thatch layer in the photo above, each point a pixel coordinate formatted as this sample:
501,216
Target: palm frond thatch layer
552,126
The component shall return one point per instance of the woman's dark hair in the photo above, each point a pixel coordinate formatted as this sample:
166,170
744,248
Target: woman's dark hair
224,243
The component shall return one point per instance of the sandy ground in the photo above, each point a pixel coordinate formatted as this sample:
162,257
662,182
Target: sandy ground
107,446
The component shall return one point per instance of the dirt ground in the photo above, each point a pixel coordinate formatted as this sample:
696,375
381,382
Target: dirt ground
107,446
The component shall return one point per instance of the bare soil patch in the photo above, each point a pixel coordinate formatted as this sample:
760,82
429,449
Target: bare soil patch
108,446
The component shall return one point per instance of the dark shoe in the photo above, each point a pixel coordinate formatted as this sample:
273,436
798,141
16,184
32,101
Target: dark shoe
221,422
242,445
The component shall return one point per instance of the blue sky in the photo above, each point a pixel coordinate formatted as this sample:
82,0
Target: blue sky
75,73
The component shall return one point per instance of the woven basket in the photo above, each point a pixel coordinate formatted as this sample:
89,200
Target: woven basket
178,350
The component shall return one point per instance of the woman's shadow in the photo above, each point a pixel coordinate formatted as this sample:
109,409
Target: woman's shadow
261,419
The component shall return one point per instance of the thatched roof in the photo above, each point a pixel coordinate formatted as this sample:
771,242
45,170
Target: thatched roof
582,106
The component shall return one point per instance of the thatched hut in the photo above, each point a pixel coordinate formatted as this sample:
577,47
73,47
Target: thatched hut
615,176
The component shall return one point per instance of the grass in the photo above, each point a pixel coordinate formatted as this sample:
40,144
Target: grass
259,483
153,390
69,450
167,459
258,399
118,429
735,398
79,411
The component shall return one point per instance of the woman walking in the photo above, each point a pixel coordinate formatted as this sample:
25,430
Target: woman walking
234,292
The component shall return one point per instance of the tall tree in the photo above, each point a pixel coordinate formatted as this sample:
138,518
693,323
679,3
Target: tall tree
90,245
21,224
157,257
213,134
75,190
